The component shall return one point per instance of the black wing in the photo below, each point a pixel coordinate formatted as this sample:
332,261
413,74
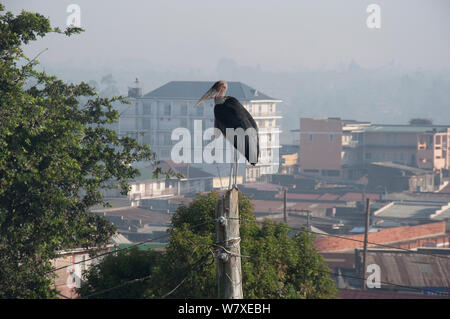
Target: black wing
231,114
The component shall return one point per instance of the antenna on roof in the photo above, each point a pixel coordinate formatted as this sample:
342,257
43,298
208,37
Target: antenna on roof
135,90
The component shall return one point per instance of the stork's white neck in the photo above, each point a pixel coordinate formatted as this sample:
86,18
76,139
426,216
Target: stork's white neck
219,100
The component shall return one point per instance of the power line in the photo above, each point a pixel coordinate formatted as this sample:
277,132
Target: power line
399,219
116,287
351,239
381,282
192,268
121,249
201,261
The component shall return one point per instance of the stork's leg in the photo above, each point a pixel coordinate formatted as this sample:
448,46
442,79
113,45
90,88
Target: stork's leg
236,169
231,176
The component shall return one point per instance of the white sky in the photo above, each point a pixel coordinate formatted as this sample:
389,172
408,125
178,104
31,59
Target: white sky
277,35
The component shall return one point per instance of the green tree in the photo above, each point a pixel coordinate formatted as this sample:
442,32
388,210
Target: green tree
120,271
280,264
56,154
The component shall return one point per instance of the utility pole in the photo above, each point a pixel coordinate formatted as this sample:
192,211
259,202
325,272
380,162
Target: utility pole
229,273
285,206
366,235
308,220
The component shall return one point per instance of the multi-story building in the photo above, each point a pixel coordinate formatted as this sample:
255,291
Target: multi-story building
321,146
151,118
433,150
343,148
329,146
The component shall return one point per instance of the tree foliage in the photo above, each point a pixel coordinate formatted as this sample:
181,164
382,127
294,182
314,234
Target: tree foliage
121,270
280,264
55,156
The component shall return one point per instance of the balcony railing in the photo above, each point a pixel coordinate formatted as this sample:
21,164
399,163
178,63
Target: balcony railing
351,144
266,114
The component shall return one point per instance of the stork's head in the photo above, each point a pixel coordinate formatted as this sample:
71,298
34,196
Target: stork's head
217,90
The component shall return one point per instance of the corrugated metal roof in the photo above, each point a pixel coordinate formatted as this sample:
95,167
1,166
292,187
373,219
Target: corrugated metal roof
404,128
380,294
194,90
414,170
409,210
410,269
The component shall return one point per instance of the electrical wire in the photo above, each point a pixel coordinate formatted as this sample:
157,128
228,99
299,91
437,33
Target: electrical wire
347,238
116,287
381,282
192,268
121,249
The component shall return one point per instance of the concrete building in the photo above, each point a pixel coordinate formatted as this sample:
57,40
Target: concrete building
151,118
433,150
343,148
392,177
330,146
321,146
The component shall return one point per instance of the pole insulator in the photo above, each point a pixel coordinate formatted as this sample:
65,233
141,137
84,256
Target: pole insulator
222,221
223,257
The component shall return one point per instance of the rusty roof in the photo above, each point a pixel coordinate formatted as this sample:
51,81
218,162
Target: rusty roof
411,269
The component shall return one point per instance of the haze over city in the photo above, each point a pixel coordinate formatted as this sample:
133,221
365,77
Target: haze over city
223,150
293,51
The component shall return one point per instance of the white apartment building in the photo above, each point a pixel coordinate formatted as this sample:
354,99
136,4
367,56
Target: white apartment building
152,117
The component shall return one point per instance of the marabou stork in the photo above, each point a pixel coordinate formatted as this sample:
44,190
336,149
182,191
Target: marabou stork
230,114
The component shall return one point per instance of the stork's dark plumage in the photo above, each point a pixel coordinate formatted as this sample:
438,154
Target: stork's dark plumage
229,113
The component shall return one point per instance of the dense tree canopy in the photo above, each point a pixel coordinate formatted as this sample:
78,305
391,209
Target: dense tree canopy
280,264
56,153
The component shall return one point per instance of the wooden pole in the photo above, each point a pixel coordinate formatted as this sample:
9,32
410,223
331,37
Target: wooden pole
229,273
285,206
366,235
308,221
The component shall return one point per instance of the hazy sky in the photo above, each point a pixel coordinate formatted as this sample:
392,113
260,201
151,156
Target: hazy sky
276,35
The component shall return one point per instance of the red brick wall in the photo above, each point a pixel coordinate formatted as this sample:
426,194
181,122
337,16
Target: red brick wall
385,236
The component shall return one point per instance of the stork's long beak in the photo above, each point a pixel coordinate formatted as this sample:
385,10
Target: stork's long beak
208,95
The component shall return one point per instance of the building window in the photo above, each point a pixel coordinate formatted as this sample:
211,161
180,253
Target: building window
394,157
166,139
146,123
199,110
167,109
368,156
147,138
330,172
147,108
311,171
331,137
183,109
310,137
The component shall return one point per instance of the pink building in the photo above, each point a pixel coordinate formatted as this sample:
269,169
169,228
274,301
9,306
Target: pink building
321,146
433,150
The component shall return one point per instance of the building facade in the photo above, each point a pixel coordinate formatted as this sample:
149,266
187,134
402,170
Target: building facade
153,117
344,148
433,150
